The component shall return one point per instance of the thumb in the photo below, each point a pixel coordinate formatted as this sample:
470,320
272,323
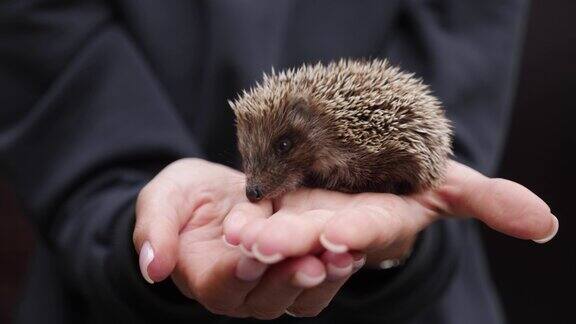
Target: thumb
503,205
158,223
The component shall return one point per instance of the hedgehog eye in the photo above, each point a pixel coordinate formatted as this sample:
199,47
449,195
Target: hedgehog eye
283,146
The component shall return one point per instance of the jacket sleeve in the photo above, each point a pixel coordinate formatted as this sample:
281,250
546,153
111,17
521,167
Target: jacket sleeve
84,125
468,52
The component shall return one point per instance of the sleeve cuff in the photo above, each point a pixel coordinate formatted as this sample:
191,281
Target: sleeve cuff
399,293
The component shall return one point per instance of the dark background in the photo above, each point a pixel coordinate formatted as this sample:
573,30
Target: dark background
536,282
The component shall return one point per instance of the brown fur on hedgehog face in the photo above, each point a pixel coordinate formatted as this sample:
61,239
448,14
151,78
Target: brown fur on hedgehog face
280,146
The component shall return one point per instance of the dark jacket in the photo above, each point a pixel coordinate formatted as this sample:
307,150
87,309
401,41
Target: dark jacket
97,96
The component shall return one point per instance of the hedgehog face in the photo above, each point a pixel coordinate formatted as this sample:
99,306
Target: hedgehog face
278,145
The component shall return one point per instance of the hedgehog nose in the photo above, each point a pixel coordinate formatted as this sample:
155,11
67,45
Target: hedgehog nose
254,193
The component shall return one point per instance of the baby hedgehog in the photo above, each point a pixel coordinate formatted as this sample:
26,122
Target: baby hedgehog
351,126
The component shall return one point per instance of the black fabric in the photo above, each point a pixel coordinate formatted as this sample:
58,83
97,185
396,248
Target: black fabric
97,96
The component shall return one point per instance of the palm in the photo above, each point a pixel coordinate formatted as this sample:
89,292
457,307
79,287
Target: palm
201,249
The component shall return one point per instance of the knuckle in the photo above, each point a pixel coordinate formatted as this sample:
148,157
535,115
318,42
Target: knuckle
143,196
356,219
154,194
374,213
496,193
380,217
185,163
390,226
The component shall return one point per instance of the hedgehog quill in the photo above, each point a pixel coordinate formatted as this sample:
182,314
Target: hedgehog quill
350,126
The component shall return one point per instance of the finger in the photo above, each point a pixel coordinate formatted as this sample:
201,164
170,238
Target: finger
249,234
225,286
312,301
161,212
305,199
281,285
240,215
359,261
338,265
369,226
503,205
289,235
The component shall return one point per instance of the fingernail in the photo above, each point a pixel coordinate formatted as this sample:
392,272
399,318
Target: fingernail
265,258
336,272
303,280
358,264
226,242
556,225
145,258
332,247
338,265
245,251
249,269
290,313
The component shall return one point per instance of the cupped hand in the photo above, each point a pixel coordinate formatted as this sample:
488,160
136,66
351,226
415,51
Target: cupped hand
178,233
384,226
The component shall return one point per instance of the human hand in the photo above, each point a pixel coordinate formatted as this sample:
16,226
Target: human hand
384,225
178,232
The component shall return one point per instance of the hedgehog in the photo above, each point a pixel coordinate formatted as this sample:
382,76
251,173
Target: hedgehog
351,126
